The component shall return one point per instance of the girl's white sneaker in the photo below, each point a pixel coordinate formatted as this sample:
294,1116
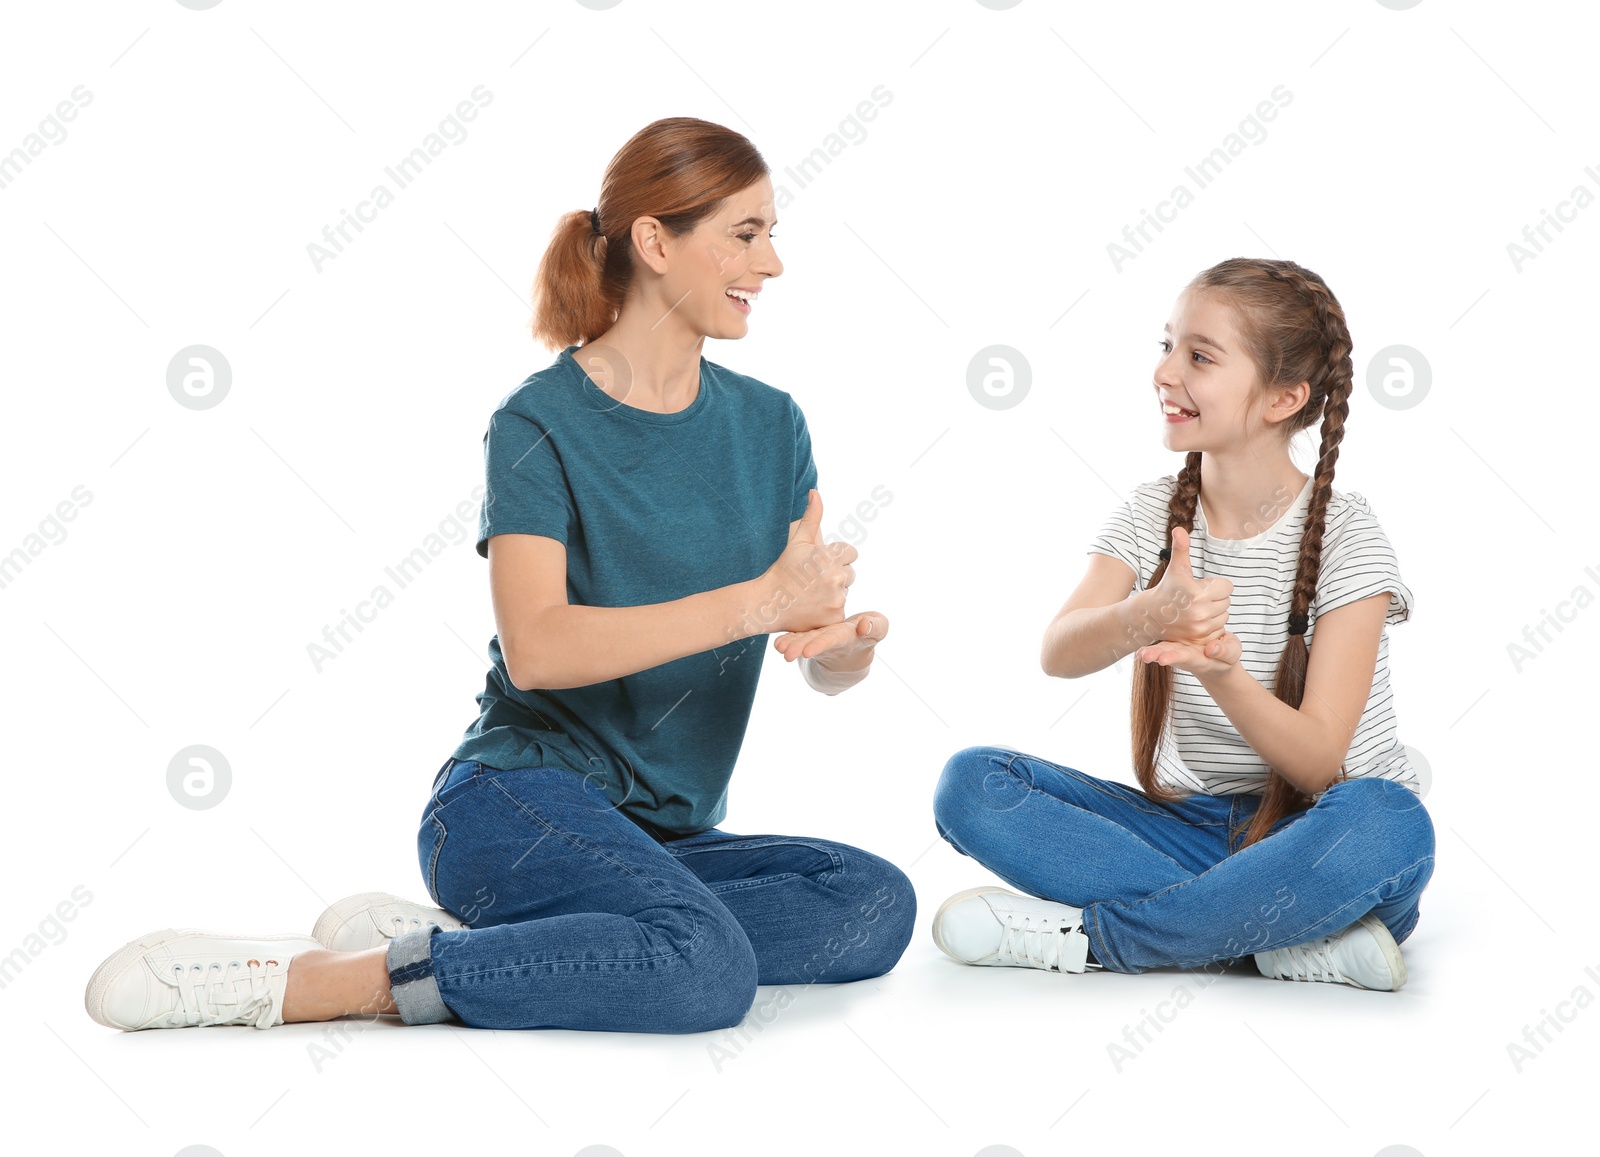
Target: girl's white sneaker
991,926
369,919
183,978
1364,955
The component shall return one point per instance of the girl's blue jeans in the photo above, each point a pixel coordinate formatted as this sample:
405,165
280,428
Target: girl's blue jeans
580,918
1167,885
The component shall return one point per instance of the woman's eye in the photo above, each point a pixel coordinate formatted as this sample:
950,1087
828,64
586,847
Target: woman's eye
745,237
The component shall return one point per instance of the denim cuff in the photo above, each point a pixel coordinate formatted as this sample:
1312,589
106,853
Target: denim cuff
411,983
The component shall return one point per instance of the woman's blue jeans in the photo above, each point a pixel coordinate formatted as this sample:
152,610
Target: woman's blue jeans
580,918
1166,885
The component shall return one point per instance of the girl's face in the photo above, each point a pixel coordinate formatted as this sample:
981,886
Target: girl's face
1204,369
730,250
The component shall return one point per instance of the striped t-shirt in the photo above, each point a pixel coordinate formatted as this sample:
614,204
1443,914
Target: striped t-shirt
1357,562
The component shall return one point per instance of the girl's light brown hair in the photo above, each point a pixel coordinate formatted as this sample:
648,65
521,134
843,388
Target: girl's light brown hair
1293,329
678,170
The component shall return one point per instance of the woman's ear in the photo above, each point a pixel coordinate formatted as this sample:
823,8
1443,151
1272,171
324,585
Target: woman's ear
649,238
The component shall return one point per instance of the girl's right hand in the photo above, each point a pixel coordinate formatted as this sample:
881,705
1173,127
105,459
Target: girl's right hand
806,587
1186,609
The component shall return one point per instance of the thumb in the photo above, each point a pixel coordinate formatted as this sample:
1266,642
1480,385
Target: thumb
1180,554
810,528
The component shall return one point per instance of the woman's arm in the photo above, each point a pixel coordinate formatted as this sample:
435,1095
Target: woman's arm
1308,746
550,643
830,681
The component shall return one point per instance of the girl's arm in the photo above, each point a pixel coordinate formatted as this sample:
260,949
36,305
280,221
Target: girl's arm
1101,622
1308,747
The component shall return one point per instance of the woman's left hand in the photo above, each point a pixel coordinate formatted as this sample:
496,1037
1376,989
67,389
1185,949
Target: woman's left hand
1215,656
843,646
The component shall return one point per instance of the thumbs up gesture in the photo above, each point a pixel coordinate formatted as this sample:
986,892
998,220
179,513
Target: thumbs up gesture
806,587
1191,617
1187,609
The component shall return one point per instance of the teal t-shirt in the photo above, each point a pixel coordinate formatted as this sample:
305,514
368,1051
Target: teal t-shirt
652,507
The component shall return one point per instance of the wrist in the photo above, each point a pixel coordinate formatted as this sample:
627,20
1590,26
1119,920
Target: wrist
856,661
755,610
1213,681
1141,626
831,680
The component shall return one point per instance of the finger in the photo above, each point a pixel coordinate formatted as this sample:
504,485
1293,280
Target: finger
810,528
872,625
1180,553
838,635
796,647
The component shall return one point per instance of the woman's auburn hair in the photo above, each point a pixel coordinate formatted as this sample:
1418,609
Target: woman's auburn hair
678,170
1293,330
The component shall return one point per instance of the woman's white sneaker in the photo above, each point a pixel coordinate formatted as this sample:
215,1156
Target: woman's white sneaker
183,978
369,919
1364,955
991,926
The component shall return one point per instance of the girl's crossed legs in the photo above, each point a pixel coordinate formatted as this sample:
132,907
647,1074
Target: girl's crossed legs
1162,884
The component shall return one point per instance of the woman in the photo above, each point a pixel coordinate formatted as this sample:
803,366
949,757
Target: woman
1287,824
649,518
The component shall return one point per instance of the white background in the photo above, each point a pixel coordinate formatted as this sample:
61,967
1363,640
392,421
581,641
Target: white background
976,210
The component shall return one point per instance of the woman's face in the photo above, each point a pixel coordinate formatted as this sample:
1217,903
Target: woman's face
730,250
1203,368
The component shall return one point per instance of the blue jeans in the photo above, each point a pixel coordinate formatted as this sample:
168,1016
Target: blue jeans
1166,885
580,918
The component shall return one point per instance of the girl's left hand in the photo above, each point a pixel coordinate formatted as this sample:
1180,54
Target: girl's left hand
1215,656
839,646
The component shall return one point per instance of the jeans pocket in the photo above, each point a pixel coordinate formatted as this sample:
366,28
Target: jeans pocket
430,842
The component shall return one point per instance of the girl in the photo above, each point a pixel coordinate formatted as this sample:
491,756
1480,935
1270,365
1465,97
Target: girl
1287,824
649,518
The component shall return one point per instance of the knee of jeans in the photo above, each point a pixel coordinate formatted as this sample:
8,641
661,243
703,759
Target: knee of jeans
975,779
880,916
711,982
1394,811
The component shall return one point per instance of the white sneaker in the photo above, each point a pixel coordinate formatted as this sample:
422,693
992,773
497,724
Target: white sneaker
369,919
182,978
1364,955
992,926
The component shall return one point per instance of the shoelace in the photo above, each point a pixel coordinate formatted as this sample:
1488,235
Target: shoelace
1310,961
1033,940
238,992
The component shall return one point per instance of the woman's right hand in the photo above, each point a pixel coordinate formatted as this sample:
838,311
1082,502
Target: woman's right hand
1186,609
806,587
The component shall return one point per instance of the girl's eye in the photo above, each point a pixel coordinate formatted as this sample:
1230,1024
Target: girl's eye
745,237
1165,346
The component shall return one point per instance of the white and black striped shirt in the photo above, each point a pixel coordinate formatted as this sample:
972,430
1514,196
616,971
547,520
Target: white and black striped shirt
1357,562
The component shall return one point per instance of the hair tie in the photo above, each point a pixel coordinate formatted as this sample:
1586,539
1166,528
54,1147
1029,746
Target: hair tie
1297,624
594,220
1166,552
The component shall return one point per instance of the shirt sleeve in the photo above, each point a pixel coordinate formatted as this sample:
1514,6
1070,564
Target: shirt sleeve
526,489
1360,562
805,468
1119,539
